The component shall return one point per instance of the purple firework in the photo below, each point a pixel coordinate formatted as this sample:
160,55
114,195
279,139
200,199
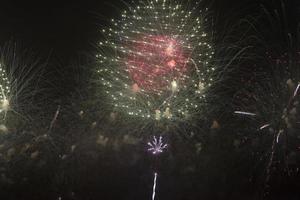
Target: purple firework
156,146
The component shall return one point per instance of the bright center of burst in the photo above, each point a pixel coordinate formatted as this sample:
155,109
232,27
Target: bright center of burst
174,86
156,61
5,105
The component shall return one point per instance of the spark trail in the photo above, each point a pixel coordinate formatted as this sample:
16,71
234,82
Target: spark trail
154,186
156,147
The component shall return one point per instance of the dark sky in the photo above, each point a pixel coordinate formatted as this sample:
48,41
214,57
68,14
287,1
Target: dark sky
63,29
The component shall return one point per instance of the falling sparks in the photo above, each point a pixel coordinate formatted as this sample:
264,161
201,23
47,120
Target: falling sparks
156,146
280,116
296,90
264,126
54,118
278,135
244,113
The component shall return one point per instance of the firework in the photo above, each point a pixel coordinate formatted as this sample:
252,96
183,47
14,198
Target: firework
19,78
272,93
156,61
154,186
5,91
156,146
275,102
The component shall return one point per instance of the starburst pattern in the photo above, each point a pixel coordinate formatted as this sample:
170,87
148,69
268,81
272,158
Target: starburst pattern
156,61
156,146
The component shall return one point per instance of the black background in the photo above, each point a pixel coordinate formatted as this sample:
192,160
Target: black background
64,29
61,32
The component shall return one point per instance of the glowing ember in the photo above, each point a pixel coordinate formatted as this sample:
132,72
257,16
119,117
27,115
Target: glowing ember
135,88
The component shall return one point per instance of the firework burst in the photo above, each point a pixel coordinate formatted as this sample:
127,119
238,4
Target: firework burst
19,78
156,146
156,61
5,91
272,100
274,108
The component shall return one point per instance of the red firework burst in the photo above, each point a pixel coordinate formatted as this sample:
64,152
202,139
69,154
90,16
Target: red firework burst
155,61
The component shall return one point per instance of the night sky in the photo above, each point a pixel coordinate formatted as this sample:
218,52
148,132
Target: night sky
66,143
59,28
63,30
